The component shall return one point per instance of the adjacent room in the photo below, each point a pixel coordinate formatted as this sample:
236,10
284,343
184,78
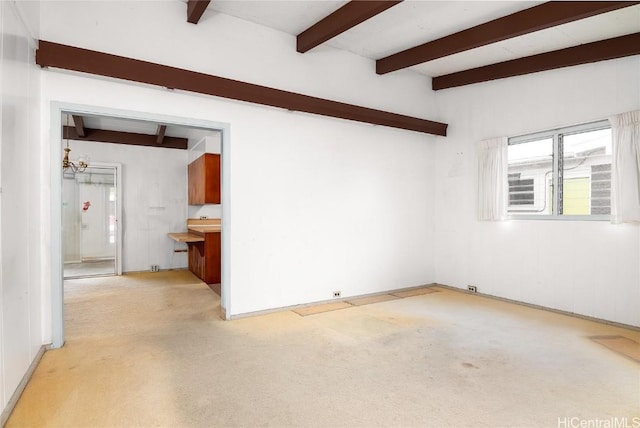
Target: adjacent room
320,213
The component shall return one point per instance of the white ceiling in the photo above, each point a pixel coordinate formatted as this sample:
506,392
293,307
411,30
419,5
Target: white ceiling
414,22
403,26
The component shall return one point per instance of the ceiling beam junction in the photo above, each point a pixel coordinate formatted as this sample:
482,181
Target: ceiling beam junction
348,16
79,124
160,133
65,57
195,10
617,47
536,18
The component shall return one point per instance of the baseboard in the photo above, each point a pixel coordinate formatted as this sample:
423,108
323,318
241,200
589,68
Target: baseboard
544,308
448,287
11,404
322,302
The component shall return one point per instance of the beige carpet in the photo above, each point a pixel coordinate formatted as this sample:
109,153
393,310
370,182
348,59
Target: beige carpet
318,309
622,345
150,350
360,301
372,299
415,292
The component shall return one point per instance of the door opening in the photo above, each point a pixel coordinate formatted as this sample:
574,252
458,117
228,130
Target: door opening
57,253
90,228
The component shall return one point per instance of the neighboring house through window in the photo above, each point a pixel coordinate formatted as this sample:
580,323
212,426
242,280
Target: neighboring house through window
561,173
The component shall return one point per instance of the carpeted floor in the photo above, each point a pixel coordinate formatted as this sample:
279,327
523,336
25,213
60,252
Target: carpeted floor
150,350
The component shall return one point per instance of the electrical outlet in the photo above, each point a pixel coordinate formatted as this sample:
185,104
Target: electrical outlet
472,288
155,268
336,293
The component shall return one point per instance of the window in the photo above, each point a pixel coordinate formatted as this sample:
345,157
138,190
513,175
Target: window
562,172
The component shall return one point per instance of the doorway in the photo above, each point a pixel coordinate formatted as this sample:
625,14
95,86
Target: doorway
56,266
90,222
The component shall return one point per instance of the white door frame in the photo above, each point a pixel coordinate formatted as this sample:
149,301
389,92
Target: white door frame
55,200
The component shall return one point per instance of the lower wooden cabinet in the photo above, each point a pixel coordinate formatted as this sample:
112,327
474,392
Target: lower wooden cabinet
204,258
196,259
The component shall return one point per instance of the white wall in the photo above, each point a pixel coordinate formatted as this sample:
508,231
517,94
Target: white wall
20,215
154,200
590,268
317,204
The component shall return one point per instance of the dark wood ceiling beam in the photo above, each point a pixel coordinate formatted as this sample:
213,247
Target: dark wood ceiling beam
603,50
65,57
195,9
348,16
526,21
160,133
79,124
119,137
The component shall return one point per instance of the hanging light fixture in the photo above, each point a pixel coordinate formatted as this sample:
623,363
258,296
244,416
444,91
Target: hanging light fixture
69,167
66,163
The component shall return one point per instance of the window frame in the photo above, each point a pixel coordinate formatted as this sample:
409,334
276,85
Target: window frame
557,163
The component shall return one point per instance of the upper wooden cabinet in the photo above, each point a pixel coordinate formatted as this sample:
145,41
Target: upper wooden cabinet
204,180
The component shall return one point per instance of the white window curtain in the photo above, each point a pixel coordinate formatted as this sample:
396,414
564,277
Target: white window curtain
625,168
493,184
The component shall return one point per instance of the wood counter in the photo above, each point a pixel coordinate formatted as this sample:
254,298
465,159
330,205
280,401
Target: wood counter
201,229
185,237
205,250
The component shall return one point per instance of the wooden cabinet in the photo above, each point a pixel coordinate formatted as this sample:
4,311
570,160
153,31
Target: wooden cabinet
196,259
203,238
204,180
204,259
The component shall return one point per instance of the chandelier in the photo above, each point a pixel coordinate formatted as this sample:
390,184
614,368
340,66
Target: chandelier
70,168
67,164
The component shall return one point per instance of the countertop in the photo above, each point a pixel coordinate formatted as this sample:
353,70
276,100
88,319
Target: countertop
204,228
185,237
196,229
